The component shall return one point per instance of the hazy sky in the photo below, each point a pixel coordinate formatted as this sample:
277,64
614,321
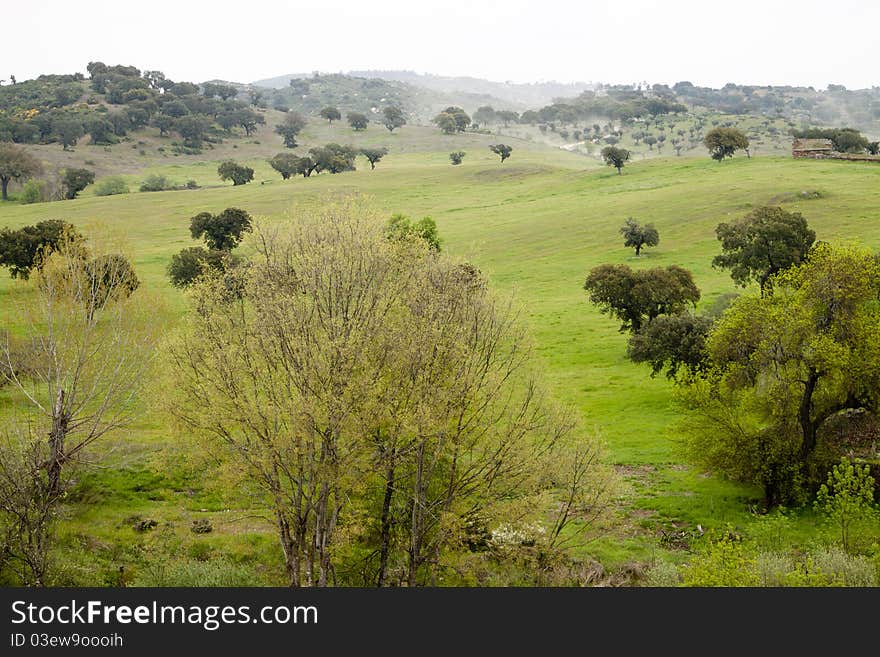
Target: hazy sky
708,43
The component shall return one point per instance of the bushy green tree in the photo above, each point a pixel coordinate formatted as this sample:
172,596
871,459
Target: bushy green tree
615,157
374,155
763,243
331,114
222,232
501,150
290,127
639,236
393,117
16,164
456,157
847,498
23,250
287,164
724,142
239,174
192,262
357,120
75,180
637,297
400,226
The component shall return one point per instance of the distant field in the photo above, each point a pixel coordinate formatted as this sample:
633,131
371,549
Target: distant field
535,225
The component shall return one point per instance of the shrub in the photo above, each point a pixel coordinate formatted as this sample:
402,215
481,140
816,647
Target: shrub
156,183
847,500
111,186
456,157
663,574
724,562
34,191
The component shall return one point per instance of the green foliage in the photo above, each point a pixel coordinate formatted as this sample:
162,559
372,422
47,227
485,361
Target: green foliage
193,129
192,262
452,120
456,157
724,142
33,191
765,242
400,226
725,561
222,232
783,365
638,236
218,572
110,186
502,150
373,155
392,117
676,342
635,297
156,183
615,157
290,127
357,120
287,164
847,499
24,249
844,140
237,173
333,157
16,164
330,113
75,180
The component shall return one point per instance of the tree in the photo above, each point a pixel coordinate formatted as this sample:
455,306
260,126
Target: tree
456,157
452,120
615,157
357,120
333,157
192,262
373,155
193,128
290,127
287,164
393,117
76,180
763,243
724,142
16,164
25,249
331,114
638,236
783,365
675,342
101,131
388,405
222,232
873,148
847,497
400,227
637,297
165,123
502,150
67,131
507,116
248,120
94,339
484,115
237,173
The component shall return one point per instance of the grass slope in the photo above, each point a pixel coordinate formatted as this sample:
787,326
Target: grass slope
536,225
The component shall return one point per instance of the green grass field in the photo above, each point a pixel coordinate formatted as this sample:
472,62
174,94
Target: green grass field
535,225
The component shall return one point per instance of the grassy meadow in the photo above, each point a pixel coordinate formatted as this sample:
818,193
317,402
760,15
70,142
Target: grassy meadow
535,225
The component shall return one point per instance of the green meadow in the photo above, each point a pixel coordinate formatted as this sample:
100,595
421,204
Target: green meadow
535,225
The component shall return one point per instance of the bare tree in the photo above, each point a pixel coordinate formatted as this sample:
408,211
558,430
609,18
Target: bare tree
92,339
371,387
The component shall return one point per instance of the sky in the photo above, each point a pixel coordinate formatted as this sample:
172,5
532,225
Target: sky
795,42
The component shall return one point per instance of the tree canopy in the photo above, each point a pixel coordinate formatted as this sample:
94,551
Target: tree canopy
290,127
502,150
615,157
724,142
222,232
16,164
639,236
239,174
763,243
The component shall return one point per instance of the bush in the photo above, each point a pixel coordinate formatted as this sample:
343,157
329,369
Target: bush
663,574
34,191
724,562
156,183
111,186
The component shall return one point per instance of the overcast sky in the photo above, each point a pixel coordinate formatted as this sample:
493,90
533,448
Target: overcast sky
798,42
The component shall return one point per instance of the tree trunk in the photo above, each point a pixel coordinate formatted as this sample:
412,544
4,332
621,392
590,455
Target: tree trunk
385,523
5,183
805,418
291,554
56,445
